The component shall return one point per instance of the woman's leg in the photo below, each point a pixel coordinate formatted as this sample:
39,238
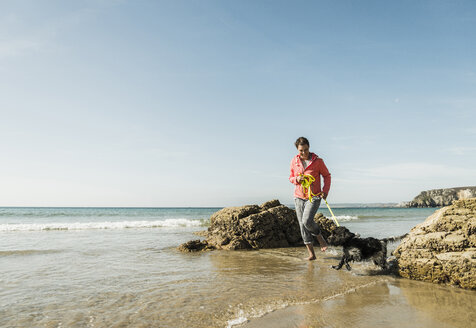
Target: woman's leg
310,225
322,242
300,205
310,249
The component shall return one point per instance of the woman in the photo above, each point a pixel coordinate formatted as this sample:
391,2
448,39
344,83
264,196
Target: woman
307,163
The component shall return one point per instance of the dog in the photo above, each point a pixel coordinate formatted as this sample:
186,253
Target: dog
358,249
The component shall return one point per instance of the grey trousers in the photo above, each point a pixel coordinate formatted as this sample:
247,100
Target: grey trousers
305,211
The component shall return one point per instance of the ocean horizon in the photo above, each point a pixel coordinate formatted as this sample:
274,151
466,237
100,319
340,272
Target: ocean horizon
219,207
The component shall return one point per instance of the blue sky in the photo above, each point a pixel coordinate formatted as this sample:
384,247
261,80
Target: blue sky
198,103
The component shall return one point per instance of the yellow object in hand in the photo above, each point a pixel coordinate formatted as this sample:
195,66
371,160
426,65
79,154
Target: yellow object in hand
306,182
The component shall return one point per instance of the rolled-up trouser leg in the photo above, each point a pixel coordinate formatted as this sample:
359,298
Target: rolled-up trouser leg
305,211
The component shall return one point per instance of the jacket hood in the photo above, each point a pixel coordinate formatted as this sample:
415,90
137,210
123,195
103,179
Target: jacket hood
297,158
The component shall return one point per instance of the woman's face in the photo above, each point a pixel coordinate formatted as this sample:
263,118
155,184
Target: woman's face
303,151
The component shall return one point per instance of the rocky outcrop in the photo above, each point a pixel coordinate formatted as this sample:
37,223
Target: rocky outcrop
269,225
440,197
326,225
195,246
442,249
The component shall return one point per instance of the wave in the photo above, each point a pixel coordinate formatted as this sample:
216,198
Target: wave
114,212
65,214
381,216
346,217
168,223
28,252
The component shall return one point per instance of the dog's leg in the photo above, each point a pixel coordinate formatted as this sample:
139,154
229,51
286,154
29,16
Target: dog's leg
381,262
383,259
341,263
348,257
347,266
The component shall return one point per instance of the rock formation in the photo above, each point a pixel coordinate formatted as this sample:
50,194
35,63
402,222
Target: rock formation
442,249
270,225
440,197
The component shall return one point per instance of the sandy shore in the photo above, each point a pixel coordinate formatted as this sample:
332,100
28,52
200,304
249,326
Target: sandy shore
394,303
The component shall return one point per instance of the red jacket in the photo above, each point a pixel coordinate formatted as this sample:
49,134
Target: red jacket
316,168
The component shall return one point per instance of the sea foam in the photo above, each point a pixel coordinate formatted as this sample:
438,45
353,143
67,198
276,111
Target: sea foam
167,223
346,217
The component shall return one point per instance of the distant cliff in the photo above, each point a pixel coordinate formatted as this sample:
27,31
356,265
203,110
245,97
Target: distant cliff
440,197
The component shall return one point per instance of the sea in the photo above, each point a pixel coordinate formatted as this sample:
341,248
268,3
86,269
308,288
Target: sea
120,267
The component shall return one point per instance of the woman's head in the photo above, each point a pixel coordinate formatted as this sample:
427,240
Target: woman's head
302,145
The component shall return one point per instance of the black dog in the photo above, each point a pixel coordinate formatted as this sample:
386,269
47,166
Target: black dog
358,249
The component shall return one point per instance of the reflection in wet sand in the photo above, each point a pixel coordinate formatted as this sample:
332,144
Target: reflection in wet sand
260,282
450,305
395,303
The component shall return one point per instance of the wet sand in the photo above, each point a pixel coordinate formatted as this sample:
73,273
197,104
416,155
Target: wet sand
394,303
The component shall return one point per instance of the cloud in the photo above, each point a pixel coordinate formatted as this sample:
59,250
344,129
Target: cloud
10,48
18,36
397,182
414,171
462,150
470,130
22,33
457,102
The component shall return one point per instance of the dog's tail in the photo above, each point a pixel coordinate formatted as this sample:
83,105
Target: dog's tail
394,238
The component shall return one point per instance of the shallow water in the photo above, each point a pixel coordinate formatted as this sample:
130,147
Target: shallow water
98,272
209,289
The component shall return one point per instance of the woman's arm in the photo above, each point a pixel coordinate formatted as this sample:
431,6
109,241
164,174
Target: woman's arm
293,178
327,178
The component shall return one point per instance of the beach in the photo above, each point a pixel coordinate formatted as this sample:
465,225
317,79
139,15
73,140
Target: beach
389,303
127,125
117,267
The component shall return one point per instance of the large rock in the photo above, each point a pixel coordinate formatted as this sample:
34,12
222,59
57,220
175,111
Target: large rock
269,225
442,249
326,225
440,197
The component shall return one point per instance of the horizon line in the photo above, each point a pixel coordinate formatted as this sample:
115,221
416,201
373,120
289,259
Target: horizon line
151,207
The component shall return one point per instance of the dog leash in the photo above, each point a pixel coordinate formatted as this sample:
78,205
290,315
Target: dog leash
333,216
306,188
306,182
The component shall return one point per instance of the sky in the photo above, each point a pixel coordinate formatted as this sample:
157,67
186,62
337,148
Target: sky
199,102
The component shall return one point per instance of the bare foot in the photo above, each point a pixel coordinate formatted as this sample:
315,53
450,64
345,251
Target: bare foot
311,258
322,242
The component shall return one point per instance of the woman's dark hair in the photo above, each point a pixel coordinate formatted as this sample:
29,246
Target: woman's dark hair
301,141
